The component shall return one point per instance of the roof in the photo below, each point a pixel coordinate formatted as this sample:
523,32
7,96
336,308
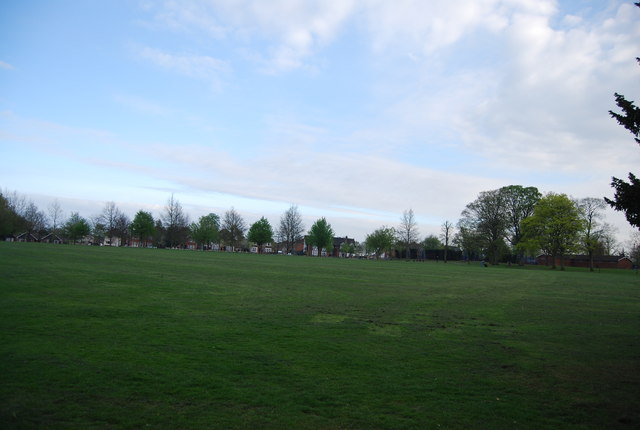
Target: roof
596,258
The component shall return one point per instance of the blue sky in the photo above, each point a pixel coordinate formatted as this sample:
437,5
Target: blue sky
353,110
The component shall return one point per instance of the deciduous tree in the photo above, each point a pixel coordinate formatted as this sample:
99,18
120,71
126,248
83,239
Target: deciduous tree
34,219
321,236
55,215
76,227
487,218
431,242
121,228
518,204
175,223
381,241
447,234
9,219
291,227
206,230
407,231
233,228
260,232
554,226
109,218
143,227
591,212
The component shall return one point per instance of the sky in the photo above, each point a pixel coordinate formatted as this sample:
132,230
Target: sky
351,110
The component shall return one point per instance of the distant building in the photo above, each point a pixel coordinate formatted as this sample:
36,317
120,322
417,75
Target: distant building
599,261
52,238
26,237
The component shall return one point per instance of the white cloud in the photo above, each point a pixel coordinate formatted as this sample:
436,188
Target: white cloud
6,66
290,31
550,109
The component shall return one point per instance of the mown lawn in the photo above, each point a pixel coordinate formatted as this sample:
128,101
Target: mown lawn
147,338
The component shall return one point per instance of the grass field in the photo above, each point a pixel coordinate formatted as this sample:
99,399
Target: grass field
147,338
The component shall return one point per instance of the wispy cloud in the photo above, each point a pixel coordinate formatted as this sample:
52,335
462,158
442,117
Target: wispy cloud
202,67
290,32
142,105
6,66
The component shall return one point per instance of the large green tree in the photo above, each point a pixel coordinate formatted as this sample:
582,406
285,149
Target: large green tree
431,242
381,241
76,227
260,232
321,236
143,227
206,230
554,227
627,194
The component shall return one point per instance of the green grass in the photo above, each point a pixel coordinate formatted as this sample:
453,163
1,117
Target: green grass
141,338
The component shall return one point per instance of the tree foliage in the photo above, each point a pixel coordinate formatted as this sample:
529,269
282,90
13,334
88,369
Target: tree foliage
321,235
468,240
291,227
432,242
9,219
260,232
518,204
554,226
381,241
627,198
206,230
627,194
76,227
143,227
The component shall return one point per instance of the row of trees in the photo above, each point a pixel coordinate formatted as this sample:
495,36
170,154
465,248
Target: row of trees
506,224
509,224
172,229
517,221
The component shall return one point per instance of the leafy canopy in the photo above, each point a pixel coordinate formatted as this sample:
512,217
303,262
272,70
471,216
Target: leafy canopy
321,235
260,232
554,226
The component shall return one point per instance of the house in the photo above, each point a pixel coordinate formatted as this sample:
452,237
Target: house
267,248
26,237
599,261
338,243
52,238
312,250
112,241
135,242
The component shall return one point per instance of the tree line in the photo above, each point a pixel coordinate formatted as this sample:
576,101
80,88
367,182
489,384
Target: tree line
508,224
173,229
